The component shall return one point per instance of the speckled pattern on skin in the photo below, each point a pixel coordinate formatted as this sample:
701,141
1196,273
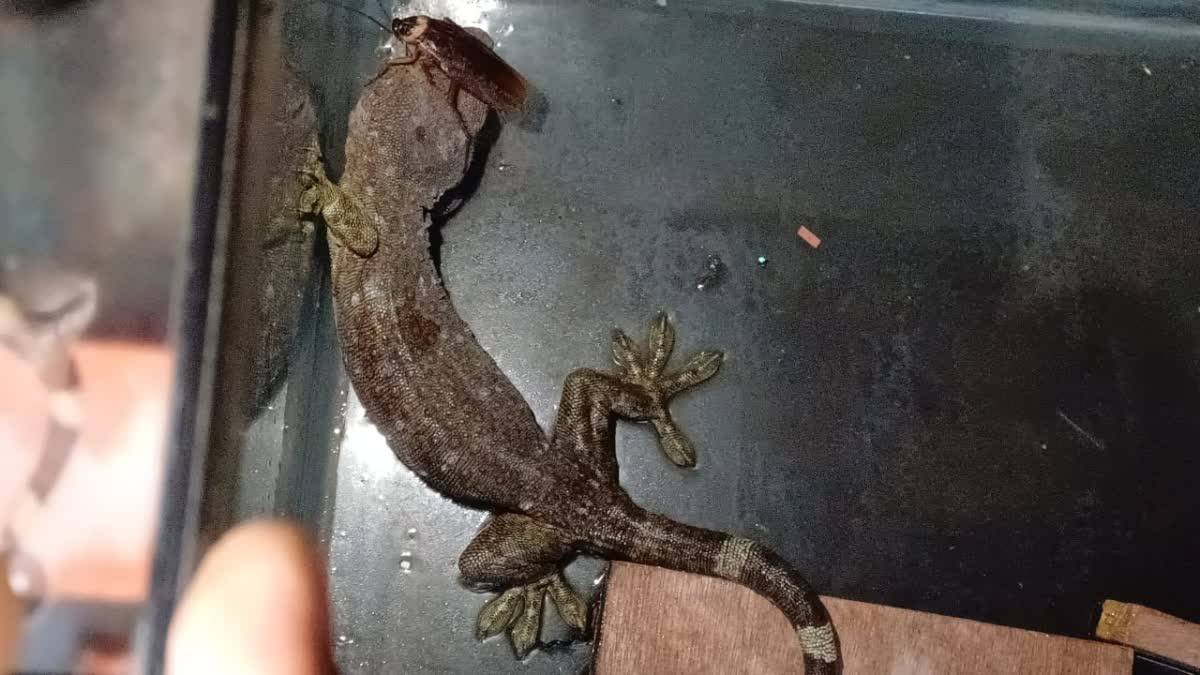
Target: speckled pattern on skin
285,261
453,418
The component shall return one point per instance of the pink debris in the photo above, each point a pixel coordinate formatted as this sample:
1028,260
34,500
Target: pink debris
808,237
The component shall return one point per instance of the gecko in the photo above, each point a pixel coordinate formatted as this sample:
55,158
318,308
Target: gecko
286,269
453,418
44,309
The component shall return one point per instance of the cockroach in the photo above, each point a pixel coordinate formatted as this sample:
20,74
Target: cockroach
468,62
465,59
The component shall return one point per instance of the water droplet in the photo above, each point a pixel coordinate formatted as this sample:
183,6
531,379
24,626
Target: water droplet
761,260
406,561
333,570
412,533
342,639
714,272
503,168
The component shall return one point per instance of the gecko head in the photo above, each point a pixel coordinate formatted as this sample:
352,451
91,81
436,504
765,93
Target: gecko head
410,29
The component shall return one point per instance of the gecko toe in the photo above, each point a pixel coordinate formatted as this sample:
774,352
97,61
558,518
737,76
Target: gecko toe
570,606
675,445
661,344
499,613
528,625
643,372
518,611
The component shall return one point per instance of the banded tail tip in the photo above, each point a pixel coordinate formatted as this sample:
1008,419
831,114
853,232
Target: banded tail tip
732,558
819,642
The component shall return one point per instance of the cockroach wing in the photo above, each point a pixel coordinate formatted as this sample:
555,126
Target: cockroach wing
475,67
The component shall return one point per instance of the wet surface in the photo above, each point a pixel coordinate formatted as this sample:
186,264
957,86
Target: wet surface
976,398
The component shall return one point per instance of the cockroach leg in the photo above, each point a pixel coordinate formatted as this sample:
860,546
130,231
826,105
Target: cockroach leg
428,68
411,54
452,95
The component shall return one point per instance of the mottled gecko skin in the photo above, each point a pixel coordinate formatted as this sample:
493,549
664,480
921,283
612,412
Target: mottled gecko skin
453,418
286,269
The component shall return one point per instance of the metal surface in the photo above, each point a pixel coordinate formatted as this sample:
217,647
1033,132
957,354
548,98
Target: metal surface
975,398
98,143
99,148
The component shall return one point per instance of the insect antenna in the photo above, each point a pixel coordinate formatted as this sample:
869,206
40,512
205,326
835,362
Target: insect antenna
359,12
381,8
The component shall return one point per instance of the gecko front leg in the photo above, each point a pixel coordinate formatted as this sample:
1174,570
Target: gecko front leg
340,210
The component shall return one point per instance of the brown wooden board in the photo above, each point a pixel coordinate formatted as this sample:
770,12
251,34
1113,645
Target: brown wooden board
10,620
1149,630
660,622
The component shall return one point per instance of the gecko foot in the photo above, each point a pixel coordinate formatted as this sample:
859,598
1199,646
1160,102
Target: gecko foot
644,370
519,611
316,189
341,212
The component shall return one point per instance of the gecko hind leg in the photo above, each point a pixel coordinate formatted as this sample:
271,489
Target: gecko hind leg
523,556
644,370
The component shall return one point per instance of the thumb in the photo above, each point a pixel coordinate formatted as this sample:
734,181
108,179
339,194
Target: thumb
257,605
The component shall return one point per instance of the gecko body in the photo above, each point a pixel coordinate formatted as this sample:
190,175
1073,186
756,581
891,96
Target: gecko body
453,418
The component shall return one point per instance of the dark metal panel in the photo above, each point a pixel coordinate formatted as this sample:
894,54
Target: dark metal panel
974,398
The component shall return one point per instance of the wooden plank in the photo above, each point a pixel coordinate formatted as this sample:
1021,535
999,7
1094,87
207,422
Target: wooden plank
659,622
1149,630
11,616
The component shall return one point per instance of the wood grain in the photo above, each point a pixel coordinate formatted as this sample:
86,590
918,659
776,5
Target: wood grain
660,622
1149,630
11,616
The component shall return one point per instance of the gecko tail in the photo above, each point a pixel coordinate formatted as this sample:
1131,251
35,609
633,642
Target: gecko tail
642,537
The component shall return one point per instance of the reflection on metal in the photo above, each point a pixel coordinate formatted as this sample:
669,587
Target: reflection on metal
41,9
99,124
